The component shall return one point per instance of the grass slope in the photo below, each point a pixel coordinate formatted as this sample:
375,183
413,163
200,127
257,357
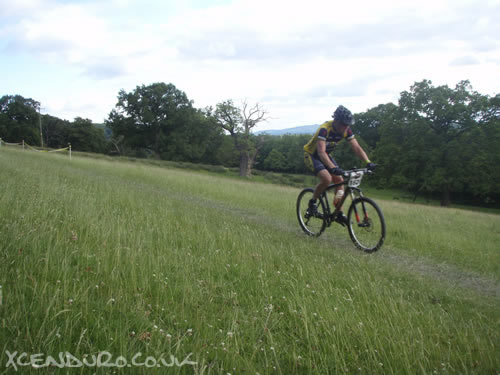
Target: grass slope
124,258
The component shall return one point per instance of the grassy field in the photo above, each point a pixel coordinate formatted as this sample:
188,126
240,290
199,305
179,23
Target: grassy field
159,265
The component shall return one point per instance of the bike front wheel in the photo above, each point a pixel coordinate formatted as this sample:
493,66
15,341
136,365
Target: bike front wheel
366,224
312,223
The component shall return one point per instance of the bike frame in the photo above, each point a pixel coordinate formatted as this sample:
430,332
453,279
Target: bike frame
348,191
365,221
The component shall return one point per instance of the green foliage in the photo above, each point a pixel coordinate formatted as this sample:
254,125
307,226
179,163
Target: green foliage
483,152
55,131
437,141
19,120
146,116
369,123
429,145
226,153
84,136
275,161
291,146
346,158
238,123
159,120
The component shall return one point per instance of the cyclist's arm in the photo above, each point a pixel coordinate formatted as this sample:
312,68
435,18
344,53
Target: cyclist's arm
323,156
358,150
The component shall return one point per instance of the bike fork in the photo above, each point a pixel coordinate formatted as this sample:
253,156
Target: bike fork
365,214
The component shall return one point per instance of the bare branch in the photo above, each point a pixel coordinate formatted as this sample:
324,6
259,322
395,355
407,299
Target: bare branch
252,115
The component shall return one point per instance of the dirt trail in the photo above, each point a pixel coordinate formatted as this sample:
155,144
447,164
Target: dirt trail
444,273
423,267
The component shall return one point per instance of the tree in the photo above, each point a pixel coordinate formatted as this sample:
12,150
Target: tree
226,153
147,116
291,146
19,119
239,122
55,131
275,161
483,156
346,158
423,147
194,138
368,124
85,136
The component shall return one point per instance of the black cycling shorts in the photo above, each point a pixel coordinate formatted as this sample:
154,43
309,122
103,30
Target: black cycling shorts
314,164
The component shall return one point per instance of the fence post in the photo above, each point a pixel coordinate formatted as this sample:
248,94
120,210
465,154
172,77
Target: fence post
0,142
23,144
69,151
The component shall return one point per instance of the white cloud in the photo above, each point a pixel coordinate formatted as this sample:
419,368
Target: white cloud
464,60
298,59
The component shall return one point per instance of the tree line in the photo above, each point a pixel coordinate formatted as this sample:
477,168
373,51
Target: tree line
436,141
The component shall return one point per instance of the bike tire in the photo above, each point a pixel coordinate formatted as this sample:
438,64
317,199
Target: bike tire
312,225
367,229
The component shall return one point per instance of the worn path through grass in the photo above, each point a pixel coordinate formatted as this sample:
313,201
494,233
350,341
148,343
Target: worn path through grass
99,255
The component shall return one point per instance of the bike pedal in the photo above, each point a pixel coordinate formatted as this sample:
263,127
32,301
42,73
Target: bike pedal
342,220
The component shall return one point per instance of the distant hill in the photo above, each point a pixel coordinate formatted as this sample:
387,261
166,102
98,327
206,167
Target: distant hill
305,129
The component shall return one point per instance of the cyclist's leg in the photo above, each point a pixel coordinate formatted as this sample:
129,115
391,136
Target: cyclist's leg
325,179
319,169
339,191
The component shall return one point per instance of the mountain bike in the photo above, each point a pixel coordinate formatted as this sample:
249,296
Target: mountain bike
365,221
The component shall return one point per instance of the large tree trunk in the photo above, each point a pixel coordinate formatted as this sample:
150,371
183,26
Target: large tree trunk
245,167
247,159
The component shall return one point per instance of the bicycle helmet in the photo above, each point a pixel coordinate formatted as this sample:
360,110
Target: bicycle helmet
343,115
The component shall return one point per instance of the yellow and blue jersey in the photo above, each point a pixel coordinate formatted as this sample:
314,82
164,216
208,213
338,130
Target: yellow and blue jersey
327,133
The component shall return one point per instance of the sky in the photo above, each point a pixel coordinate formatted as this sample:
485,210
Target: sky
298,59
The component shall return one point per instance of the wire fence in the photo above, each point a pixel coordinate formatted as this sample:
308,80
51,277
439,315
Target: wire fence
27,147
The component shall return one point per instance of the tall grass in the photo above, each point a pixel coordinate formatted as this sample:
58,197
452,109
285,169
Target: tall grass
125,258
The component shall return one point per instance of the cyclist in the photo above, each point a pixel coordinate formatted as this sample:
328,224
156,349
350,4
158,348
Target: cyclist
317,156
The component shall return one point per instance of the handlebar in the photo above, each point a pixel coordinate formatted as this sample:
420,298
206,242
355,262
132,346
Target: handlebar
354,170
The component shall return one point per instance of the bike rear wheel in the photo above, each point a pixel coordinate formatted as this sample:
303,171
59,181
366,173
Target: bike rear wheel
311,224
366,224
